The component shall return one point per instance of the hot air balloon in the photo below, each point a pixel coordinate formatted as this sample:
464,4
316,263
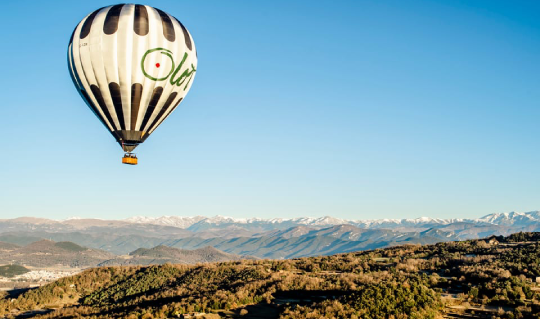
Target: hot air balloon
132,65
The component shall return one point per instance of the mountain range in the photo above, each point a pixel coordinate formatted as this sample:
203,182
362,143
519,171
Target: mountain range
262,238
198,223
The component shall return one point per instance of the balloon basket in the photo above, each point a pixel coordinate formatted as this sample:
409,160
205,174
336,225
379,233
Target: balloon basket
130,159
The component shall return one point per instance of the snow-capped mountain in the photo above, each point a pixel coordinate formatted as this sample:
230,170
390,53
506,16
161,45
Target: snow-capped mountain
175,221
264,238
512,218
198,223
393,223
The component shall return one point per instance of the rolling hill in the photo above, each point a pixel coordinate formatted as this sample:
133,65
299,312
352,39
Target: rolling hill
495,277
163,254
46,253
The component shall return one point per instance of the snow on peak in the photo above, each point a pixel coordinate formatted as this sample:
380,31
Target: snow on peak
508,218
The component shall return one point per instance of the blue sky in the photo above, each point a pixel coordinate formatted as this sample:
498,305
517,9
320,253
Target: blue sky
354,109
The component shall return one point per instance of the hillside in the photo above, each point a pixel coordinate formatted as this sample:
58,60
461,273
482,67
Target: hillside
490,278
162,254
7,246
12,270
46,253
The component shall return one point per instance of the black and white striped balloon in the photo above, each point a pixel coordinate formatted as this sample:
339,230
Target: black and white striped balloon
132,65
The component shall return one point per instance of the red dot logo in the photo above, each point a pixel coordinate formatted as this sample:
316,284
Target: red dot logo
157,65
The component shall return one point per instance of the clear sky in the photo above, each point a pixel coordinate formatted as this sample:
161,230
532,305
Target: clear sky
355,109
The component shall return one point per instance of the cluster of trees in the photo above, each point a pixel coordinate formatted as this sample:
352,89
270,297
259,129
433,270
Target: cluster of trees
387,299
399,282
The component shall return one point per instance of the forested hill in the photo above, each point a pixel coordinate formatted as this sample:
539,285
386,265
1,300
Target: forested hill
489,278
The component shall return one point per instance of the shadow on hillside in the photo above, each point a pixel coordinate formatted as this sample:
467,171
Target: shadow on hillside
32,313
257,311
307,296
16,292
281,300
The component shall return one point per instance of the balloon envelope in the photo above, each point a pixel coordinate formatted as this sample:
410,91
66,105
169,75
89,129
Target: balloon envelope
132,65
